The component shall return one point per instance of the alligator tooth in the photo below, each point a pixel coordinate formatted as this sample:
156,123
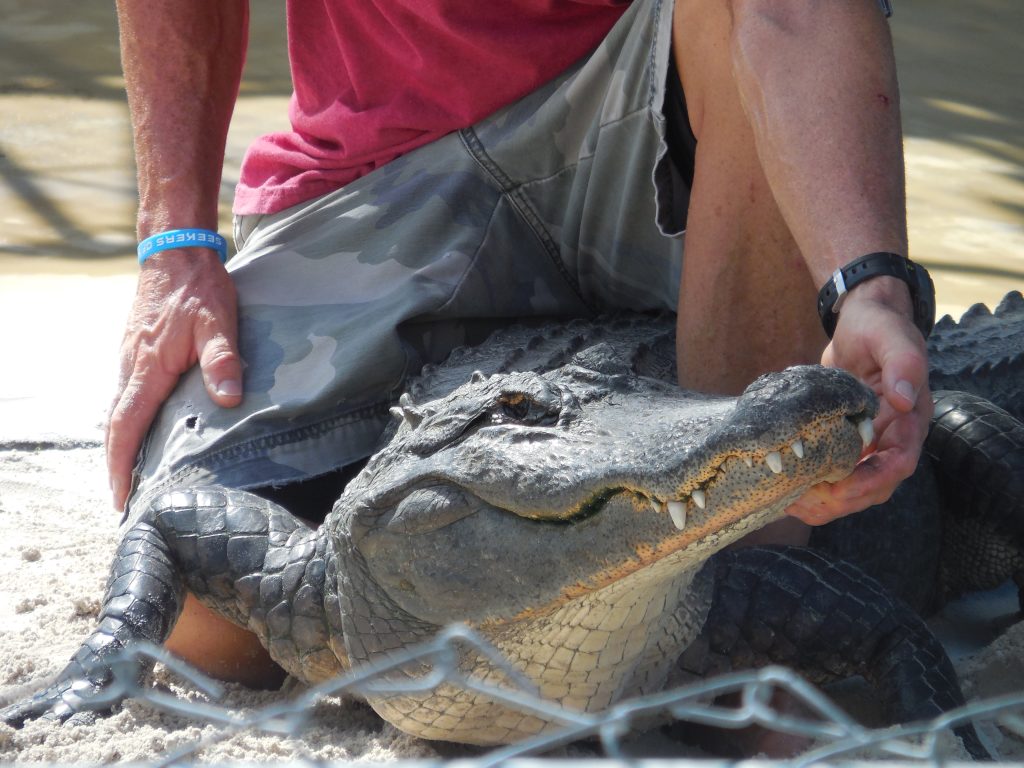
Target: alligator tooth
406,400
749,461
867,431
656,506
798,448
412,416
406,414
774,462
699,498
677,511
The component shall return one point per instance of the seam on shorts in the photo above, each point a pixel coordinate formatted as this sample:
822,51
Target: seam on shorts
521,203
226,456
472,261
639,111
652,80
243,227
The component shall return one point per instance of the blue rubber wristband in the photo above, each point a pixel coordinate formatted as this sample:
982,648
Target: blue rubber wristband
183,238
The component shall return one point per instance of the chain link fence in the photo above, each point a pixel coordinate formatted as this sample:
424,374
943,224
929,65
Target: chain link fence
834,734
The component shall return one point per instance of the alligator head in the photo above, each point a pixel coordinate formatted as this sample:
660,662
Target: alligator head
530,504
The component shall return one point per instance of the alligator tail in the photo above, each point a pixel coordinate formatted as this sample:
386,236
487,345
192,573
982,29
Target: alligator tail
827,620
978,451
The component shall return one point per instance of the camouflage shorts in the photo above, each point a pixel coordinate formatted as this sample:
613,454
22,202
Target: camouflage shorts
557,206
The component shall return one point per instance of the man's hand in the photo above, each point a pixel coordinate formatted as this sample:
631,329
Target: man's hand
877,342
185,311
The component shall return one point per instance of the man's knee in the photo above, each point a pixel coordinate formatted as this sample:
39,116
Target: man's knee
702,35
221,649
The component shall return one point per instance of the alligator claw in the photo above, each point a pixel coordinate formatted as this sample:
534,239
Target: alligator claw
16,715
67,700
84,718
43,705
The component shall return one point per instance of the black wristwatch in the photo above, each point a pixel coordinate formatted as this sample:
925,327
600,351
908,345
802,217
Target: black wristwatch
922,290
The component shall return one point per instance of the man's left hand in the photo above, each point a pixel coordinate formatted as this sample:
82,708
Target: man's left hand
876,341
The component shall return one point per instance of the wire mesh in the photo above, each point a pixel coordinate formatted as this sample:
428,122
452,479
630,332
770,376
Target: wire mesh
835,734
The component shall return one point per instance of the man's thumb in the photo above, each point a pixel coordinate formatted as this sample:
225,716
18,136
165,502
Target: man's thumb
222,370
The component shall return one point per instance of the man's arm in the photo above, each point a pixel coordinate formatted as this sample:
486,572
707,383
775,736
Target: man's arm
818,83
182,62
799,170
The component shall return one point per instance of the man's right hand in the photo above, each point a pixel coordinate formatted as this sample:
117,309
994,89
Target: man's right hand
185,311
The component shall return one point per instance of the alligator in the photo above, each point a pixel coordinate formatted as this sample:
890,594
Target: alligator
555,490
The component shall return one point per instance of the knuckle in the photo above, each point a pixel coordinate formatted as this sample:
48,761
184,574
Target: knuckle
146,359
904,471
219,350
194,307
881,497
117,425
122,413
218,355
219,327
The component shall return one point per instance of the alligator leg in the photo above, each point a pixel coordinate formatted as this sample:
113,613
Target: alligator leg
978,452
827,620
256,564
241,555
144,596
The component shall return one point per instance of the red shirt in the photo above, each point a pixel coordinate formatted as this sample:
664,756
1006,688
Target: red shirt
374,79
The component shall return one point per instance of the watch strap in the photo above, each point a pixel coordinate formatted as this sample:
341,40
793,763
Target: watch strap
922,290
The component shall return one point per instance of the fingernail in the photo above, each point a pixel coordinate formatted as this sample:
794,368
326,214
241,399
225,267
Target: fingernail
229,388
905,389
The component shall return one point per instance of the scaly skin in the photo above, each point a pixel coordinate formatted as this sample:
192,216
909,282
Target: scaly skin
830,620
533,507
983,354
567,514
948,531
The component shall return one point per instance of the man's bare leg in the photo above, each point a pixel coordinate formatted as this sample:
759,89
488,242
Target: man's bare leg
223,650
747,298
740,255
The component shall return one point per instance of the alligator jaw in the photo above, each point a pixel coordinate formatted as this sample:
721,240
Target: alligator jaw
714,483
707,519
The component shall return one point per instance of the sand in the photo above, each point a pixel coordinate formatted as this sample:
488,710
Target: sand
67,199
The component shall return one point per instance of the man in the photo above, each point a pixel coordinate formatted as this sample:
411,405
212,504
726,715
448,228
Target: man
449,166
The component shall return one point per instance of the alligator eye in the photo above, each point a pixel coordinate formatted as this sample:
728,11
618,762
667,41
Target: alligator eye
527,408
